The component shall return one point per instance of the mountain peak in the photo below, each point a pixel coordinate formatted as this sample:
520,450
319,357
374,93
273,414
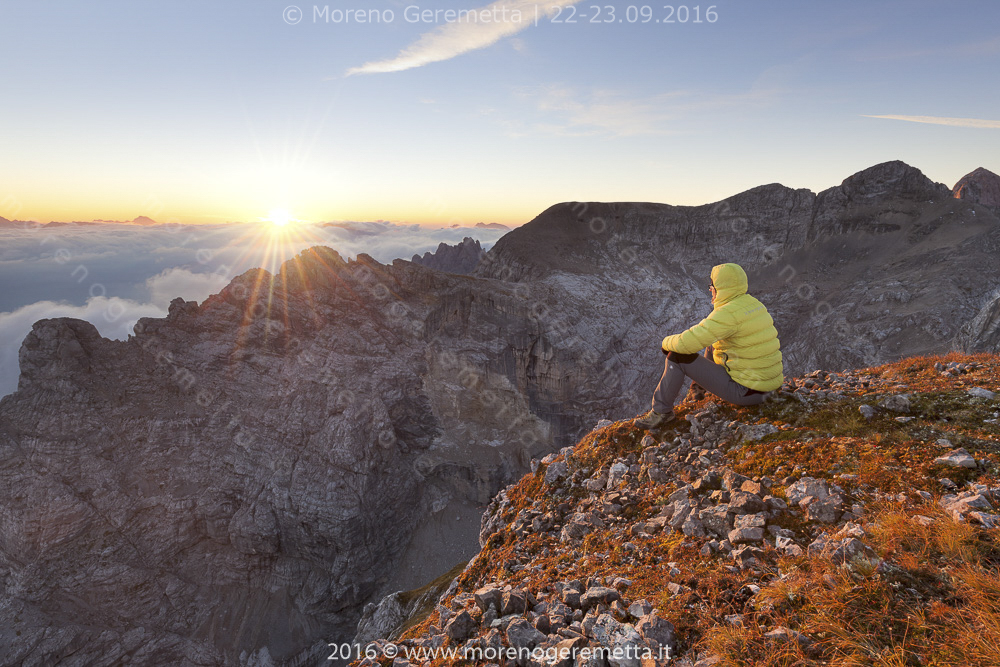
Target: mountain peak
980,186
458,258
894,178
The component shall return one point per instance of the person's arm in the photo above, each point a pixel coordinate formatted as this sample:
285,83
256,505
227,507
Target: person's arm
713,328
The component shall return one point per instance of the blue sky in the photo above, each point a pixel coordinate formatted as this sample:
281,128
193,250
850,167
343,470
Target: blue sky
208,112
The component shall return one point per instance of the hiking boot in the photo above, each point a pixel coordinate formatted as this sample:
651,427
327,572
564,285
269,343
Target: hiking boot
653,419
695,393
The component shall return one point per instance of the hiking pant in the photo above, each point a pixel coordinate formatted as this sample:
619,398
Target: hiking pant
709,375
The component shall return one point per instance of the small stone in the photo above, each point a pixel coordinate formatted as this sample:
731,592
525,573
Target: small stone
980,392
844,551
866,411
677,589
775,503
741,502
692,527
785,635
731,481
517,601
986,520
488,596
826,510
977,501
817,546
746,535
850,529
555,472
616,474
571,598
751,521
640,608
755,432
598,595
657,632
521,635
717,519
461,626
747,556
683,493
957,458
896,403
621,584
807,486
710,481
719,496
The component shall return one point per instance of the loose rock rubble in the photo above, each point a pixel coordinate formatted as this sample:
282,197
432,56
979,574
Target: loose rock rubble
686,476
954,368
575,614
823,385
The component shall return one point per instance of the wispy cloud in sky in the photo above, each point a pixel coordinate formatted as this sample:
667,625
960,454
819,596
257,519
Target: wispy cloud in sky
574,112
600,112
902,50
939,120
478,29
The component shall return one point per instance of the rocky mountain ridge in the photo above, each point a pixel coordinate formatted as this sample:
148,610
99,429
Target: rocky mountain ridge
458,258
738,537
241,477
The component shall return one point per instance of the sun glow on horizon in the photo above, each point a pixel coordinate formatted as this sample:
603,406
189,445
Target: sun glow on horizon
279,217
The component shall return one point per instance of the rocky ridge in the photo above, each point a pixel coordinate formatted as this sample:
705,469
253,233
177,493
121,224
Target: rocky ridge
458,258
695,540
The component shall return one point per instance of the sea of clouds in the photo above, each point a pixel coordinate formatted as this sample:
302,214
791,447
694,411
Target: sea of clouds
114,274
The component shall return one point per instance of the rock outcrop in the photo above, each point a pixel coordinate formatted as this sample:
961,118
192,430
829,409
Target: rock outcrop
459,258
708,543
245,474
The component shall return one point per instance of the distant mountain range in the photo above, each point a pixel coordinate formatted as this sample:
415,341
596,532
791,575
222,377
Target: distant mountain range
247,473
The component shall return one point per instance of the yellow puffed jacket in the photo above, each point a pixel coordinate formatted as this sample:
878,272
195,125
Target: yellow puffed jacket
741,329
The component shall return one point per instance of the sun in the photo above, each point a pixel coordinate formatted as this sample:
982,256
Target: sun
279,217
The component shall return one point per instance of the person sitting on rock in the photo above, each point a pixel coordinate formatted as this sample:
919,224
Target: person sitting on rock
746,362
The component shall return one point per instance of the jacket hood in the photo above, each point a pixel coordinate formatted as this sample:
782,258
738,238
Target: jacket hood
730,281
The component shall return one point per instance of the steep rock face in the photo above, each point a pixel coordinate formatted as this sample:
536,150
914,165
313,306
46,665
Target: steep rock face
243,475
304,441
981,186
459,258
885,265
982,333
